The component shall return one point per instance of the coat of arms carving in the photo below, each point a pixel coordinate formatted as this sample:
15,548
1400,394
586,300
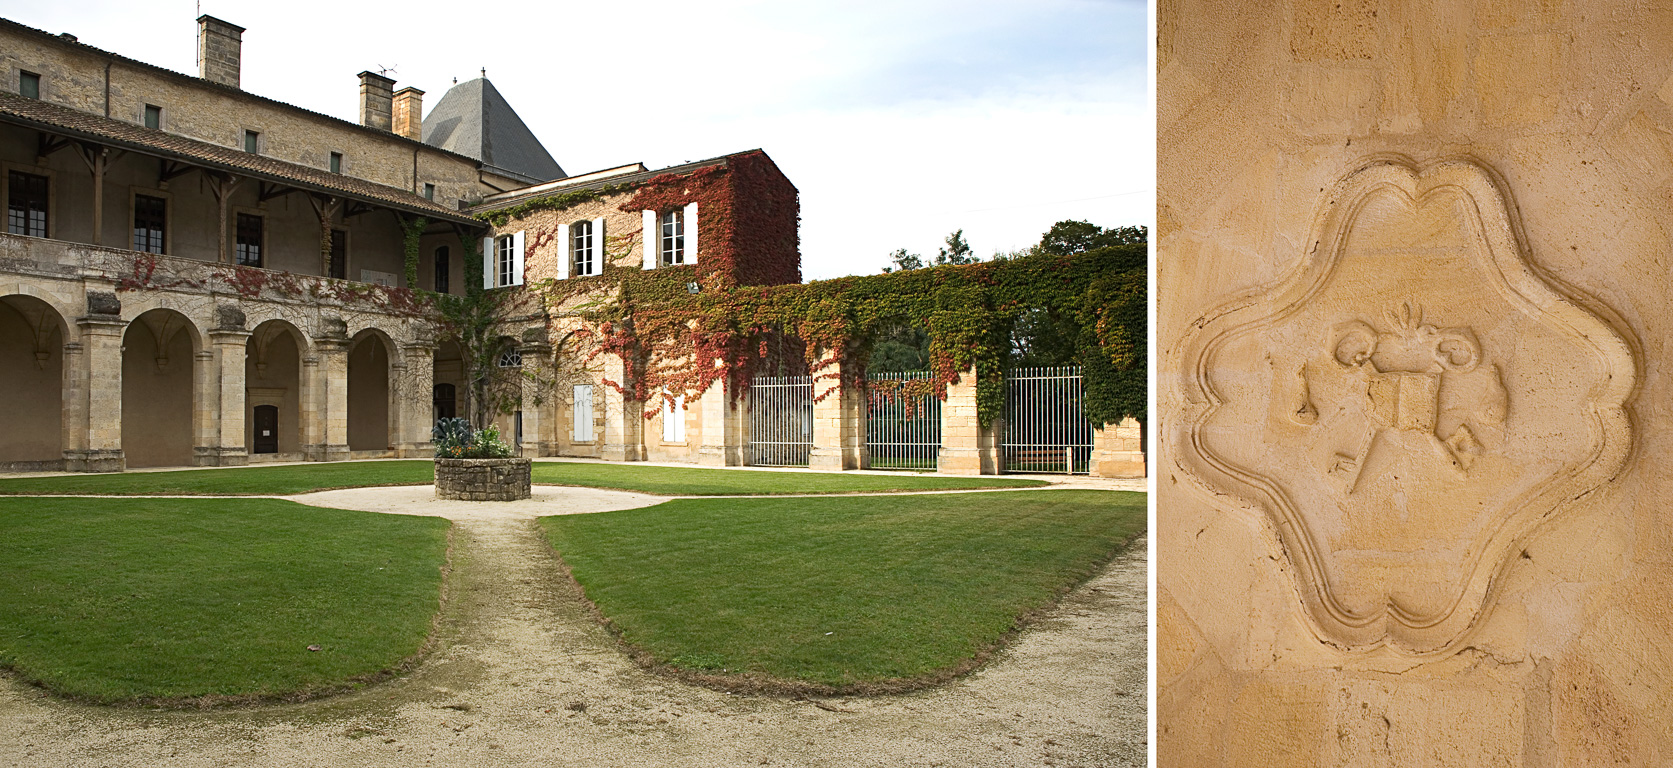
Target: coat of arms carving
1408,406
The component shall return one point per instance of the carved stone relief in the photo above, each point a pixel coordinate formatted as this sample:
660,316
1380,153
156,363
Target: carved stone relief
1408,406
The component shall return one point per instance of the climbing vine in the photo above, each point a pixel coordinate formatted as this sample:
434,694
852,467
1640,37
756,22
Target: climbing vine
412,230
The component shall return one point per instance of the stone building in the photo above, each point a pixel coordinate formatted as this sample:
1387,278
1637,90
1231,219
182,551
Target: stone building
192,274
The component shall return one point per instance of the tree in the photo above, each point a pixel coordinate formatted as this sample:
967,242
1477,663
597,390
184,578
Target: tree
1066,238
904,261
957,251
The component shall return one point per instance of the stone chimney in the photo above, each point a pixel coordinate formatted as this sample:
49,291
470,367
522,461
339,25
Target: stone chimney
219,50
376,100
409,113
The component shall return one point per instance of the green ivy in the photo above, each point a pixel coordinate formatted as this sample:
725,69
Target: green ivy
413,229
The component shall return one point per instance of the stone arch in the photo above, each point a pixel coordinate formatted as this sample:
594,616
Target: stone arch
449,371
273,379
370,358
159,389
32,338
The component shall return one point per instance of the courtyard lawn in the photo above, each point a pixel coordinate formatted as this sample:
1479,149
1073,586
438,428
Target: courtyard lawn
847,594
303,478
681,481
242,481
140,600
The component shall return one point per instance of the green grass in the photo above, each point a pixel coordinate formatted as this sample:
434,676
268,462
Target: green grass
243,481
849,593
116,600
680,481
302,478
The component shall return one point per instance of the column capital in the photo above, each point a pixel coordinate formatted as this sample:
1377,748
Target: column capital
224,336
101,324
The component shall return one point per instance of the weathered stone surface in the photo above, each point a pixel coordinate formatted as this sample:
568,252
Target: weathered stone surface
482,479
1411,304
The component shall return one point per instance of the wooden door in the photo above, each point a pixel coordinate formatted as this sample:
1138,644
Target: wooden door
267,429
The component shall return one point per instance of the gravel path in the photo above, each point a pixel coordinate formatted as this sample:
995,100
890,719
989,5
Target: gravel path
524,676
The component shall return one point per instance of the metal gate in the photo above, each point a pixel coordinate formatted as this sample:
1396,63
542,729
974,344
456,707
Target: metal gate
902,432
1046,429
780,421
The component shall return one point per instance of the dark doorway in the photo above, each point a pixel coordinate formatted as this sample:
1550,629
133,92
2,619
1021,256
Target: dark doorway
339,254
445,399
267,429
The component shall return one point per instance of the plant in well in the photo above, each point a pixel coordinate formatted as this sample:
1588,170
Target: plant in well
455,439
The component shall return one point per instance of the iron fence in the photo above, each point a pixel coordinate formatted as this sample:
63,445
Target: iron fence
902,432
780,421
1046,429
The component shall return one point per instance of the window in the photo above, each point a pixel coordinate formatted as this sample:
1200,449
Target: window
444,268
26,204
252,141
511,358
29,84
673,238
581,414
153,116
581,244
249,240
673,419
150,222
336,162
429,191
505,261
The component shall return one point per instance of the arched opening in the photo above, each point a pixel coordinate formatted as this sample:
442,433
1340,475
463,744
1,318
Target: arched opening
158,355
32,382
368,392
450,378
272,391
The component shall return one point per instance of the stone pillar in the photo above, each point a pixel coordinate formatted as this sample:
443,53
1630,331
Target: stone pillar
219,406
327,385
967,447
1117,450
624,419
93,396
414,385
539,407
724,414
839,421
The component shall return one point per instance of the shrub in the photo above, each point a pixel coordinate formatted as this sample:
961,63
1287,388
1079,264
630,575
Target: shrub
455,440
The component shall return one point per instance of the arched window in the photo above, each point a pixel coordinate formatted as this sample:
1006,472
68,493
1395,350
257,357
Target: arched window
444,268
581,245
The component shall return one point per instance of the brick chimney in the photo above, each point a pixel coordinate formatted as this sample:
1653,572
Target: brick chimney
376,101
219,49
409,113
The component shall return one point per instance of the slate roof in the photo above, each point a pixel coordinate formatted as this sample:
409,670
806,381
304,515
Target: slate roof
71,123
474,120
515,196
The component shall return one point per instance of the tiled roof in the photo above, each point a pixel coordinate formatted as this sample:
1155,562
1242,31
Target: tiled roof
508,199
82,125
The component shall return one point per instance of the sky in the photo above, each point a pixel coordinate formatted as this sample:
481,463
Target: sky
899,122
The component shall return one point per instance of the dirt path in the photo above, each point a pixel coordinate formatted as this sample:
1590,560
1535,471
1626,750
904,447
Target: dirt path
524,676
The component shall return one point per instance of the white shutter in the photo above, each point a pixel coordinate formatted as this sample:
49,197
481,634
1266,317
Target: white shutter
673,420
487,262
581,414
517,258
651,240
598,246
691,233
563,251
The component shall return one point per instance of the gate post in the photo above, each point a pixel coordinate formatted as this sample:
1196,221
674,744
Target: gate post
1116,450
839,421
967,447
725,424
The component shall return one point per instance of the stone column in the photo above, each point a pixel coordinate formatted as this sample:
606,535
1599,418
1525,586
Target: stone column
967,447
220,402
724,413
839,420
1117,450
93,396
539,407
328,393
624,419
415,385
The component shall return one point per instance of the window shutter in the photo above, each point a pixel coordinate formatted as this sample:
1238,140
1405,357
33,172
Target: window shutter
488,262
673,419
651,239
598,246
517,257
563,251
691,233
581,418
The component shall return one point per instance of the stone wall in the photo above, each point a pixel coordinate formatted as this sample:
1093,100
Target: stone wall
1412,297
482,479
